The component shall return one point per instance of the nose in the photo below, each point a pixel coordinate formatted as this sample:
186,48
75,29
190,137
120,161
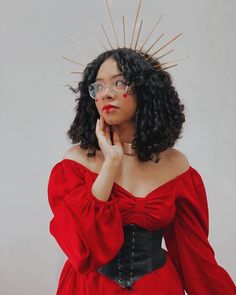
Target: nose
107,92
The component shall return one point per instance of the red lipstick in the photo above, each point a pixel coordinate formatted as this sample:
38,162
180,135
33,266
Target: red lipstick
109,106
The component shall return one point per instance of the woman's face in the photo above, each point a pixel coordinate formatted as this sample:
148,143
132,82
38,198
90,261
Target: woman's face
108,75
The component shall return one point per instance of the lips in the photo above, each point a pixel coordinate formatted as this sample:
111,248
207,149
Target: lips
109,106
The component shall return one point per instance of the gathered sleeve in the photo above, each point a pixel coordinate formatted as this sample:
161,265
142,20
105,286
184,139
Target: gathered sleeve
186,239
88,230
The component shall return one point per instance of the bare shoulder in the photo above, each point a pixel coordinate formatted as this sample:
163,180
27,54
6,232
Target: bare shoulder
178,161
79,155
76,153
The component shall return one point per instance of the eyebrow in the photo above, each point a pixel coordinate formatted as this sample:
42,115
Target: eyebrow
117,75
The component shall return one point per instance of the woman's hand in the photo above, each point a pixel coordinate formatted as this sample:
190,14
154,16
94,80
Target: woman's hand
113,152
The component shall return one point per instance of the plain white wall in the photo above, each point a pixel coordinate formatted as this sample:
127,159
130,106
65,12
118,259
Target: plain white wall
36,111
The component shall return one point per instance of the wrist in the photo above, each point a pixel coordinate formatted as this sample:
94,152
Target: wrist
112,163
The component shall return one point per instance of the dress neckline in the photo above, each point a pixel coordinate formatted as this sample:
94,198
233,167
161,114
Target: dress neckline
190,168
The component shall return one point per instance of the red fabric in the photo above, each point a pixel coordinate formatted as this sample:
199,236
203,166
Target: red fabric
90,233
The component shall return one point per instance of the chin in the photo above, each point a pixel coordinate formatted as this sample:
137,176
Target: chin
114,121
119,120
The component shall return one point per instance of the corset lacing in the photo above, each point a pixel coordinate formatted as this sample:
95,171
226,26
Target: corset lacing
140,254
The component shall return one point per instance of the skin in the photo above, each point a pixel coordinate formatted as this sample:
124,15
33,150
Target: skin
111,164
121,121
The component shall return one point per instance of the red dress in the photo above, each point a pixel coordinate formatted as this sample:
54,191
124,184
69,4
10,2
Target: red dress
90,233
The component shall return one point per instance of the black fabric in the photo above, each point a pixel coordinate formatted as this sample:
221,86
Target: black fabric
140,254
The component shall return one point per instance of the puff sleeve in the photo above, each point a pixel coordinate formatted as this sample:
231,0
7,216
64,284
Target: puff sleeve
186,239
88,230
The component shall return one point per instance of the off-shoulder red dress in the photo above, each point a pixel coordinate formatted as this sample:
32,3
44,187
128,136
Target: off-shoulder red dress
90,233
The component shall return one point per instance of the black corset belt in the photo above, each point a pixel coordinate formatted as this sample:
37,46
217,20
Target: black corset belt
140,254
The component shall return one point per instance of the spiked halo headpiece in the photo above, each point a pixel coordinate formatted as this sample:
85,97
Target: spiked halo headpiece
134,43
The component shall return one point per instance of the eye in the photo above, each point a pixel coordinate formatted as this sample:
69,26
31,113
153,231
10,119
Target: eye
99,86
120,83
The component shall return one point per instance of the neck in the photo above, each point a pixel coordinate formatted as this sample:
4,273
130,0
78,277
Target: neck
126,135
125,132
127,149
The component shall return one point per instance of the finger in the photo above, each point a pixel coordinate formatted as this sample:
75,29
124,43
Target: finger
102,123
97,125
107,134
105,124
98,128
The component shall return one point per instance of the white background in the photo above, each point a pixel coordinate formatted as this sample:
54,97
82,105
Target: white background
36,110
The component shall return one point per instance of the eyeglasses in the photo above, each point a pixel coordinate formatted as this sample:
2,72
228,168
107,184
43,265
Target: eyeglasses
118,87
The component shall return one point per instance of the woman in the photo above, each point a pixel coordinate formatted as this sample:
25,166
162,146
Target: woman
123,187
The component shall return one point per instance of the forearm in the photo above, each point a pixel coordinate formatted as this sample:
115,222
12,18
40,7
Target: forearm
102,186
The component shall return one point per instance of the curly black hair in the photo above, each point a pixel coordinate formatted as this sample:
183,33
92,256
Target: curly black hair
159,116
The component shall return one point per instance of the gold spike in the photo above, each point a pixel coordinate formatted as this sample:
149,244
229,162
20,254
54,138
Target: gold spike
76,72
139,5
140,26
106,35
123,22
151,32
172,61
73,61
93,34
80,44
160,65
154,43
159,57
162,69
113,27
165,45
94,41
